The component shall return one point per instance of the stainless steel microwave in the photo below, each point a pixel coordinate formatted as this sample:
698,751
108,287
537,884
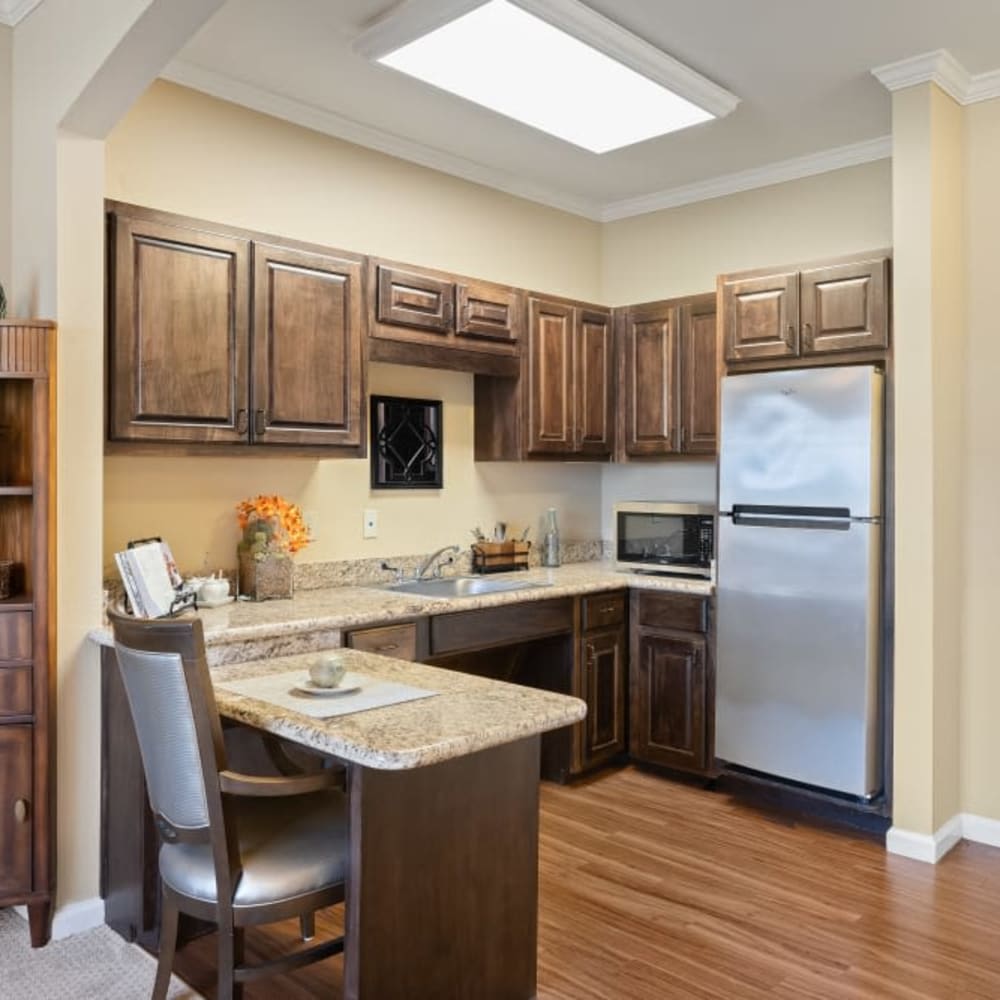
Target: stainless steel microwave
676,538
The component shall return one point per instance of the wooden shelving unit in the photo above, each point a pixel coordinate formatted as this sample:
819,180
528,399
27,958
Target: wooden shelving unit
27,621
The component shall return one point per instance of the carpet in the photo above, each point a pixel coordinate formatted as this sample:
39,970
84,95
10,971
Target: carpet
94,965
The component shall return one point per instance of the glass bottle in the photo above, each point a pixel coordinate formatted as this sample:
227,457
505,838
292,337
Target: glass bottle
550,542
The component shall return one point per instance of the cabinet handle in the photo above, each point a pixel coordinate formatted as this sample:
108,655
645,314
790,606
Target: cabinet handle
387,647
242,421
259,424
683,436
21,810
608,609
807,334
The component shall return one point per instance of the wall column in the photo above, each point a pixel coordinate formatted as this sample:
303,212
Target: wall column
929,352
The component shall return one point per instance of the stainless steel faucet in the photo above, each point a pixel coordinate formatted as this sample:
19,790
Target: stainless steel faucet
433,558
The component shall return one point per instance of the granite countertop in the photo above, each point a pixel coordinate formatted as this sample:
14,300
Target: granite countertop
349,607
468,714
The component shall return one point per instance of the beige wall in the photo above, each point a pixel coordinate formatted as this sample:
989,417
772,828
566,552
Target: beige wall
6,69
184,152
680,251
981,593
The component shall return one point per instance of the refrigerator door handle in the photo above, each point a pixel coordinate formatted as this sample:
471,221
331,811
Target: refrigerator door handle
767,516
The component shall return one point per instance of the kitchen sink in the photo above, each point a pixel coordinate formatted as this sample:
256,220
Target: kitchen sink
461,586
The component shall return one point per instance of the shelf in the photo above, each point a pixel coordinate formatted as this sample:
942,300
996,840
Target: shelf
19,602
16,491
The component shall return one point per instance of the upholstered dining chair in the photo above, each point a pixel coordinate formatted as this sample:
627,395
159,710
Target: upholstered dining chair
229,852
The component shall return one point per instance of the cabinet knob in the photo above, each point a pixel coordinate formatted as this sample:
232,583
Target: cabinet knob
21,810
242,421
259,423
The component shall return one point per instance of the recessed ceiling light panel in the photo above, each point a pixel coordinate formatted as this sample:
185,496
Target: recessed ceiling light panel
504,58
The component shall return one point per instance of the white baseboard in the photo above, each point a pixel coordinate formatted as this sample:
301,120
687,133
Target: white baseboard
73,918
933,847
981,829
930,848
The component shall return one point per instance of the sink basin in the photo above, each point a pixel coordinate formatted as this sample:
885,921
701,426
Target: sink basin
461,586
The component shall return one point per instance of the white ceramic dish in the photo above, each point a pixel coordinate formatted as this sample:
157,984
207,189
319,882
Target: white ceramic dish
307,687
203,603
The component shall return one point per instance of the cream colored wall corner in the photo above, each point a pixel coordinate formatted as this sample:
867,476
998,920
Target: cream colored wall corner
79,448
929,371
679,251
980,524
181,151
6,153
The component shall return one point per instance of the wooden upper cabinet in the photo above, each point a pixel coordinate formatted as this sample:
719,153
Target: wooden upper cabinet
308,324
414,299
668,370
844,307
594,387
551,382
180,333
651,350
436,319
488,311
826,307
761,317
699,378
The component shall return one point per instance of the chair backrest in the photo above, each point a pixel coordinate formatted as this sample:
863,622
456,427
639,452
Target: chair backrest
169,689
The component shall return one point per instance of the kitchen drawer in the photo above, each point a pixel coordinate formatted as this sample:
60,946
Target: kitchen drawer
681,612
499,626
15,635
15,691
603,610
409,298
399,641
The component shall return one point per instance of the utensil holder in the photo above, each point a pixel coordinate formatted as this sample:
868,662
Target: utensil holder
499,557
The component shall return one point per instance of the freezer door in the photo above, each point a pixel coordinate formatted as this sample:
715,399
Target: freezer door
803,438
797,652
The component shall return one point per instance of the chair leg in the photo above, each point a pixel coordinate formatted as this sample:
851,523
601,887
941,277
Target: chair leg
307,925
168,943
230,956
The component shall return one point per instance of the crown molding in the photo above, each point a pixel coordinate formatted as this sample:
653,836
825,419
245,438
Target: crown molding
227,88
942,68
415,18
236,91
748,180
12,11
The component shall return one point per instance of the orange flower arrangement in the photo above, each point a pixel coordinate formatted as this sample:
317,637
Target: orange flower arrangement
282,522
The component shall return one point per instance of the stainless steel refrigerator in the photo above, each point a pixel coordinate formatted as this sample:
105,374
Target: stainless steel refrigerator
799,576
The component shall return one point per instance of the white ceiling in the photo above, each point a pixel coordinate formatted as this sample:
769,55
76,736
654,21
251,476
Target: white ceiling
801,68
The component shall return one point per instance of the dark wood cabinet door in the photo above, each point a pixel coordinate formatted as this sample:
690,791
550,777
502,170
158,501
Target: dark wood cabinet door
669,724
307,362
551,365
604,671
180,333
761,317
845,307
651,355
699,379
16,809
412,299
594,388
489,312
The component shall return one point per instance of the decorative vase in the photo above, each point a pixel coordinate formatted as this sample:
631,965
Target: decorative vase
265,574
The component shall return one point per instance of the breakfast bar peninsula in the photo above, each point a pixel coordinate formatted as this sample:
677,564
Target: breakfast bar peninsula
442,886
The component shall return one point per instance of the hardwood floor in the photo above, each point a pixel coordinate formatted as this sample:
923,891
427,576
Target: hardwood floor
653,890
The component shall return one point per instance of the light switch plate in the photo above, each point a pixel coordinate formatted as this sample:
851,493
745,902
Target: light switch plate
369,524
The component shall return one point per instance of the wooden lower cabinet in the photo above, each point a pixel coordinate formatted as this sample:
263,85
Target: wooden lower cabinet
16,801
671,694
604,656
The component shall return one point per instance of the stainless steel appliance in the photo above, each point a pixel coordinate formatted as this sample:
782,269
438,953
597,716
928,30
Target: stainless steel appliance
799,576
676,538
